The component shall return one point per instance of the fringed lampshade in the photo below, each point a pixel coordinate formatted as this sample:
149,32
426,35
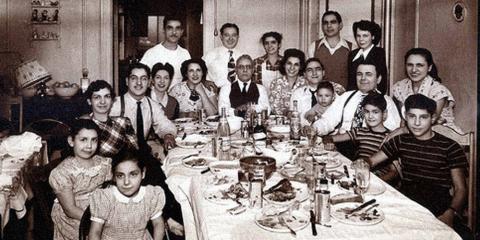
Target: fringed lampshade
31,73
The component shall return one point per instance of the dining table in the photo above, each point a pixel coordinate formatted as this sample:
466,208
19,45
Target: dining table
396,216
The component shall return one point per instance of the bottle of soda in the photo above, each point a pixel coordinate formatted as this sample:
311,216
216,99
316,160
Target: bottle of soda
295,122
259,131
223,135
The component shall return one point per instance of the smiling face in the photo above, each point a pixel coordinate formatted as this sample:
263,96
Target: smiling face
324,97
417,67
314,73
367,79
292,67
271,46
229,37
161,81
364,39
128,177
84,144
173,31
419,122
374,116
137,83
244,69
101,101
194,73
330,26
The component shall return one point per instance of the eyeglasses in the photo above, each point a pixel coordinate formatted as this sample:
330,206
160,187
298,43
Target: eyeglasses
244,67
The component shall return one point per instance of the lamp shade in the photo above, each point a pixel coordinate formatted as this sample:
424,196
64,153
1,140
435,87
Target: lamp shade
31,73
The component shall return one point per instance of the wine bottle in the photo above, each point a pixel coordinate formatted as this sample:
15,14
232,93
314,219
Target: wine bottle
223,135
295,122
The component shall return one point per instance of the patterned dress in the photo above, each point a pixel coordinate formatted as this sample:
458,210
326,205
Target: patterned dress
123,217
69,175
181,92
280,94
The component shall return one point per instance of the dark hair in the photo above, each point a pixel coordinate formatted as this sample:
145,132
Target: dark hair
370,26
375,99
427,55
140,66
420,101
275,35
229,25
314,60
125,155
172,18
296,53
160,66
199,61
325,85
5,124
96,86
76,126
370,62
336,14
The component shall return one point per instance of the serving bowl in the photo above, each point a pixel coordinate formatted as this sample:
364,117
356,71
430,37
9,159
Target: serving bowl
66,91
248,164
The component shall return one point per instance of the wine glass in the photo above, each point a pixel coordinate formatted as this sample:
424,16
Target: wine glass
362,175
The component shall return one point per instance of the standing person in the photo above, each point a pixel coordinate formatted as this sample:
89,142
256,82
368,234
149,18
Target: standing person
237,96
292,68
332,49
368,35
266,67
122,211
76,177
143,112
192,94
169,50
161,80
220,61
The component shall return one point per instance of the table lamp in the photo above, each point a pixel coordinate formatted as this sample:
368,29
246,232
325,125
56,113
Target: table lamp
32,74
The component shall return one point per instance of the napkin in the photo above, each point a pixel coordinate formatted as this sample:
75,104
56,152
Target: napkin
21,146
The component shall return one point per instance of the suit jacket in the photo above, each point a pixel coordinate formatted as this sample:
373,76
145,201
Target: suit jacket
376,55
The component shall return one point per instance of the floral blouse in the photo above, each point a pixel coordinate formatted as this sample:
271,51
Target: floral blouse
182,92
280,94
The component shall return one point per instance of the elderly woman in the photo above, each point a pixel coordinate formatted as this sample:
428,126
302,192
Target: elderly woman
291,67
191,93
367,35
161,80
423,79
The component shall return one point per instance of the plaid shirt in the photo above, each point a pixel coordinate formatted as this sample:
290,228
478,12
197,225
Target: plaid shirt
257,67
116,133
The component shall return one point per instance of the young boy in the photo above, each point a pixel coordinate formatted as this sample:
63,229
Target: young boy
368,140
431,163
325,95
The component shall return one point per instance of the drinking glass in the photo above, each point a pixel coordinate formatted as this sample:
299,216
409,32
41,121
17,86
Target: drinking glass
362,175
311,134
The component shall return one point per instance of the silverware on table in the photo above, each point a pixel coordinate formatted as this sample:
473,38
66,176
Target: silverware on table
191,155
184,136
312,222
349,212
345,170
282,222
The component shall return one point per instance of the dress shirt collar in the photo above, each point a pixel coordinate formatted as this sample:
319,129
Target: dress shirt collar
240,84
341,43
124,199
163,101
133,99
228,49
364,53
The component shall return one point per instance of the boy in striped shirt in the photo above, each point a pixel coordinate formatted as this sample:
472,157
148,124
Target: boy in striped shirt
431,162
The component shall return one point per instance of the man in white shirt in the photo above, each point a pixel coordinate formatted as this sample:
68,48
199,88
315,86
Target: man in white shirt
221,60
332,49
235,97
344,113
142,111
169,50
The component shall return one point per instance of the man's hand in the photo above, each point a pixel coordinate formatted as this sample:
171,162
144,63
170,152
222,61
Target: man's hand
447,217
169,141
175,227
210,86
241,108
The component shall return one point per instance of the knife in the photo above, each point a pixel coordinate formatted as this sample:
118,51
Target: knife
345,170
184,136
361,206
312,221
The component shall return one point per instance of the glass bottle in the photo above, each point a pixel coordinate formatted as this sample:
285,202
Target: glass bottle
223,134
295,122
259,131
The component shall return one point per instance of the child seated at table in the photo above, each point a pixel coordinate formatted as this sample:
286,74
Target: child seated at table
325,96
76,177
368,140
122,210
431,162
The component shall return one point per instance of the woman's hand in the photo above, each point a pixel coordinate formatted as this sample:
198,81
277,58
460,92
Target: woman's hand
175,227
210,86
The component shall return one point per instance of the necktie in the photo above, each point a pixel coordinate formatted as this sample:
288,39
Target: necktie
314,99
359,115
231,67
244,90
140,134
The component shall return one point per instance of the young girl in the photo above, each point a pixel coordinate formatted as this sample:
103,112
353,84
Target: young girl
76,177
122,211
325,96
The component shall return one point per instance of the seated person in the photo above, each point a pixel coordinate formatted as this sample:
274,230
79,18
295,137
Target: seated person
368,140
191,93
161,79
5,128
237,96
431,162
325,95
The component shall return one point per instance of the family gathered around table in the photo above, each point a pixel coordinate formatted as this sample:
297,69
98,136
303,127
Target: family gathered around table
227,146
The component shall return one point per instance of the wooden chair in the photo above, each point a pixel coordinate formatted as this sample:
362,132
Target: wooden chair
52,131
468,142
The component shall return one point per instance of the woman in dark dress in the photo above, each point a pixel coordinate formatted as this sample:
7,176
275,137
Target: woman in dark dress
161,79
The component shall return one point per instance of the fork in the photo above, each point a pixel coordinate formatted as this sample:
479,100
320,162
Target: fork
282,222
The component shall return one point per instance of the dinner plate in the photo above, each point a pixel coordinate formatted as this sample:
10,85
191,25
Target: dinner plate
280,129
217,195
192,141
331,161
297,221
359,218
289,170
197,162
374,188
212,121
183,120
301,193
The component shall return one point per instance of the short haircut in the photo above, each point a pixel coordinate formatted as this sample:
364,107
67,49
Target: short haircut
96,86
420,101
375,99
139,66
199,61
80,124
129,154
370,62
275,35
5,124
292,52
326,85
314,60
370,26
334,13
244,56
229,25
172,18
160,66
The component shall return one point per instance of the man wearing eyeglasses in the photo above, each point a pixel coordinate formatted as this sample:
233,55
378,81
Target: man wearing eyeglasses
237,96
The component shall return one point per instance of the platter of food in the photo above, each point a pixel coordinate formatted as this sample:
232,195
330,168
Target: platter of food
192,141
296,221
285,192
368,216
183,120
225,195
197,162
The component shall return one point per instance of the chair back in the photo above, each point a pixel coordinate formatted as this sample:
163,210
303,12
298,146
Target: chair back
54,132
84,225
467,141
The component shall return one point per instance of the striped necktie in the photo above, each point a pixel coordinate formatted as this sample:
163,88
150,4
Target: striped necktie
359,115
231,67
